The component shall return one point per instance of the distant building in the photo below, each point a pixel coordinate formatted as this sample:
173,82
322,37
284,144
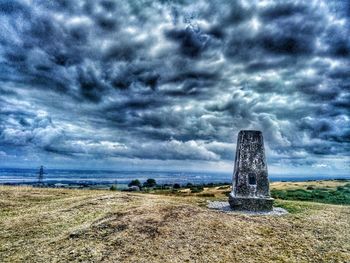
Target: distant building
250,186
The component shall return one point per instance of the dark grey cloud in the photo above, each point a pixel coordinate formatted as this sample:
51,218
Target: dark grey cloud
174,80
192,42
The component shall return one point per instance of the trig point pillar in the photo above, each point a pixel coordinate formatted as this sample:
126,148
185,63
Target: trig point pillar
250,186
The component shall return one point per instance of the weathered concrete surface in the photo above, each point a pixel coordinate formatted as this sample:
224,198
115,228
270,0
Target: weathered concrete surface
250,189
226,208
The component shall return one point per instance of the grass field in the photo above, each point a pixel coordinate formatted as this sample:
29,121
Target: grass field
61,225
327,191
331,192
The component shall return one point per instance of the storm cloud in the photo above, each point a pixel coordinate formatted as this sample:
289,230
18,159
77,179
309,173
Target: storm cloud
174,81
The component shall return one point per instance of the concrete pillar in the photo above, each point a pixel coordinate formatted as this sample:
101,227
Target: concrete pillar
250,186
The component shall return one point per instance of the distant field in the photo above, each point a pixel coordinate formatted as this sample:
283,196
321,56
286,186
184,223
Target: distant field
331,192
328,191
60,225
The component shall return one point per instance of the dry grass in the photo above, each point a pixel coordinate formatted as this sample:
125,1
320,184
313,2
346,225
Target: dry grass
55,225
331,184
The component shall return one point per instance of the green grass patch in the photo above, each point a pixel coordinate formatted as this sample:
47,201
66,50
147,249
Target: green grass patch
339,195
291,207
197,189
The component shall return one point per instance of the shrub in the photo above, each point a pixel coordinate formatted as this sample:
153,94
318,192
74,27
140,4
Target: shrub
113,188
176,186
150,183
197,189
207,195
224,187
135,183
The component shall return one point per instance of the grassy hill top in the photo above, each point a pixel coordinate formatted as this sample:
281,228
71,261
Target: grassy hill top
58,225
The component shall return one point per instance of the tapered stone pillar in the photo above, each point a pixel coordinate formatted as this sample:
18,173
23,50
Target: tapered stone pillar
250,186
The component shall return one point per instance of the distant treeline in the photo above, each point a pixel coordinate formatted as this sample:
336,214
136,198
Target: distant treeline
153,185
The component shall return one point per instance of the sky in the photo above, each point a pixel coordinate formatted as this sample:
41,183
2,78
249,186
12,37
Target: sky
167,85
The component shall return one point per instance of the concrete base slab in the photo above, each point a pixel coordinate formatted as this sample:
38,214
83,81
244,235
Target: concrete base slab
224,207
250,203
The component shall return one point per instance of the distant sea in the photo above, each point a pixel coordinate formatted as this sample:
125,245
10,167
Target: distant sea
52,176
